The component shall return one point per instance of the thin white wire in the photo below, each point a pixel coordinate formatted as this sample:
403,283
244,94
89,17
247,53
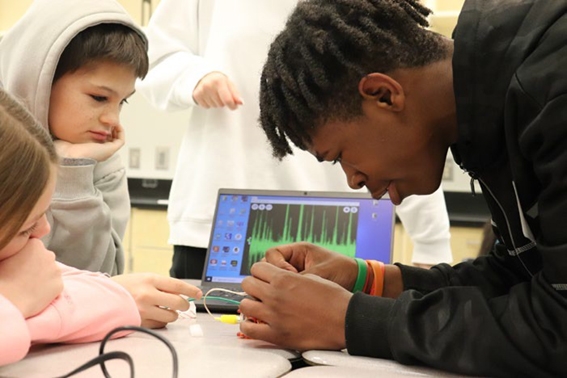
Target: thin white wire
242,293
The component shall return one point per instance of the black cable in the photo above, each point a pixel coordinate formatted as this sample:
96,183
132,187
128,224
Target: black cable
100,360
143,330
103,357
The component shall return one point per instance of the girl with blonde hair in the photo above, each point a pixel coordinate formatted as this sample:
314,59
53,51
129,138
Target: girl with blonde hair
41,300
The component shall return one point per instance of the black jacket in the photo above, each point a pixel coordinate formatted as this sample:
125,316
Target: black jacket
504,314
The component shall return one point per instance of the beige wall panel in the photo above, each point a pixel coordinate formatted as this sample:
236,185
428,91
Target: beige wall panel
151,260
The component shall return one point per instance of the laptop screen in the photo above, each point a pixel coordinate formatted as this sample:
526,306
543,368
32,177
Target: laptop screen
248,222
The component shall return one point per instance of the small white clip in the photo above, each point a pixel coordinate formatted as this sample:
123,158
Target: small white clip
191,313
196,330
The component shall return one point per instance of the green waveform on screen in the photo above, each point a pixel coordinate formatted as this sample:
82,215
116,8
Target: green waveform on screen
327,226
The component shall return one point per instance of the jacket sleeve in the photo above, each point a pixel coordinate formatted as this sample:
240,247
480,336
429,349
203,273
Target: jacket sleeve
15,338
89,213
90,306
458,329
176,36
426,220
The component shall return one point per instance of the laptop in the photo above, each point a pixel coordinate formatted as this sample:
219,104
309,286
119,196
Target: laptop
248,222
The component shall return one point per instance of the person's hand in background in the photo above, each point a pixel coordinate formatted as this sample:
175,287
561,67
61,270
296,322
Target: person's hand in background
216,90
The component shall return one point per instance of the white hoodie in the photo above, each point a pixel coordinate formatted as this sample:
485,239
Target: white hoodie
223,148
91,205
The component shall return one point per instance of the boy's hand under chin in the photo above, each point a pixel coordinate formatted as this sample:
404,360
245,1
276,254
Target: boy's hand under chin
92,150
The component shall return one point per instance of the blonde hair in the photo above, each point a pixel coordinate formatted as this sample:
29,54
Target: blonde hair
26,162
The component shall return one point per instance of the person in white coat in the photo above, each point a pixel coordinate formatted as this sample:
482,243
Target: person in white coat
207,55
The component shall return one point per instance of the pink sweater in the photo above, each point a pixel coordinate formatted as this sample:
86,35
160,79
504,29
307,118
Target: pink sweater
90,305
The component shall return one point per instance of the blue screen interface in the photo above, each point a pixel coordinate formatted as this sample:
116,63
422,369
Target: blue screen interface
245,226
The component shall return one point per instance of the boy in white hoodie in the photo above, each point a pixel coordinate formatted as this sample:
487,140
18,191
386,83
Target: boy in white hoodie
74,64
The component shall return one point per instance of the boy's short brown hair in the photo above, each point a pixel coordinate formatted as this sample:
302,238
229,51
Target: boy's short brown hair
105,42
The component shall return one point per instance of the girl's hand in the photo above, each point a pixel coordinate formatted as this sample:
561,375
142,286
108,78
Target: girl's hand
31,278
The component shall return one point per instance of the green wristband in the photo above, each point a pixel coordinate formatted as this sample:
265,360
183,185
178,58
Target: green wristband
361,277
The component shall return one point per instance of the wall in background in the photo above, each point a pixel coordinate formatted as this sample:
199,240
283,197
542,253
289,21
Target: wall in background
445,13
12,10
153,138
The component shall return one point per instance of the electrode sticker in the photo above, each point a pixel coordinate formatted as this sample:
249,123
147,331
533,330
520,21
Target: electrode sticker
196,330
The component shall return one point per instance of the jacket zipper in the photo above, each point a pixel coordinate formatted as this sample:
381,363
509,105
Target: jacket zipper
473,191
507,222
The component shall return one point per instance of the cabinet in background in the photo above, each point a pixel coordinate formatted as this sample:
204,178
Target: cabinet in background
145,242
465,243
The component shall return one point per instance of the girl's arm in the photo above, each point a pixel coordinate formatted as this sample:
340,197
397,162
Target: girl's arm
90,306
15,339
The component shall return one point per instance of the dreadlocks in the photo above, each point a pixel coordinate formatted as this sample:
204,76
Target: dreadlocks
314,65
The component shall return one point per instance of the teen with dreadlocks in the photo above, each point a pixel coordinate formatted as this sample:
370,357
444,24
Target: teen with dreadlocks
365,84
195,50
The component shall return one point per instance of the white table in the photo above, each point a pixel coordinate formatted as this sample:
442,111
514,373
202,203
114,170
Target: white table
218,352
333,364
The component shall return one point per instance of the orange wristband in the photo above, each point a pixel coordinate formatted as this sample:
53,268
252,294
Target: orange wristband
369,279
378,282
